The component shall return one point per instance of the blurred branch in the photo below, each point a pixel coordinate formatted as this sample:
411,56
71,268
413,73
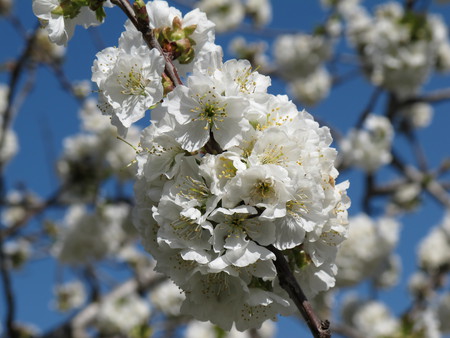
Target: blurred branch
437,96
8,292
427,180
33,211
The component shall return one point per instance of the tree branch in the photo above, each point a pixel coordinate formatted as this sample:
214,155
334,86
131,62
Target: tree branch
319,329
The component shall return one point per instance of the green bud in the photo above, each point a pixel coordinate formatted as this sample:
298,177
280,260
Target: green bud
141,11
67,9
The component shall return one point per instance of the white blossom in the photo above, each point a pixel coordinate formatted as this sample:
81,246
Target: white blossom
226,14
434,249
371,318
259,10
369,148
59,23
121,315
419,114
367,250
87,237
398,49
300,55
69,296
312,88
167,298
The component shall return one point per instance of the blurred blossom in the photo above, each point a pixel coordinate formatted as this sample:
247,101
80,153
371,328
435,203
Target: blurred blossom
300,55
369,148
95,155
226,14
198,329
343,6
419,114
367,252
418,284
406,198
69,296
167,297
312,88
260,11
17,252
426,323
91,236
398,49
371,318
122,315
252,51
434,249
82,88
17,204
45,51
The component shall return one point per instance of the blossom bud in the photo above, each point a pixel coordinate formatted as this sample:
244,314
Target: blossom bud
141,11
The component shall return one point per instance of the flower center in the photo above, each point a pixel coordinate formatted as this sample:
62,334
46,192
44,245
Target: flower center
209,110
134,82
186,228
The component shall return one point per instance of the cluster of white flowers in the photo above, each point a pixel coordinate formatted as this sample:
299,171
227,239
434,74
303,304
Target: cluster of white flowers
69,296
300,59
434,249
122,315
399,48
86,236
369,148
129,76
226,170
368,251
229,14
95,154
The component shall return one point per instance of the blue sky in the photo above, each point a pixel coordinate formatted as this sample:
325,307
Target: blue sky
49,115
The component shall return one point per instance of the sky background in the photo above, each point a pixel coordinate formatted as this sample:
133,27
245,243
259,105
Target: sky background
50,114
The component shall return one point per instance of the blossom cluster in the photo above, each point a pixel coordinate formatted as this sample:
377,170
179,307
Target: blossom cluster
370,147
399,48
226,172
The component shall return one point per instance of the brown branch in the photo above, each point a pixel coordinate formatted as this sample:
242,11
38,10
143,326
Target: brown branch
319,329
437,96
